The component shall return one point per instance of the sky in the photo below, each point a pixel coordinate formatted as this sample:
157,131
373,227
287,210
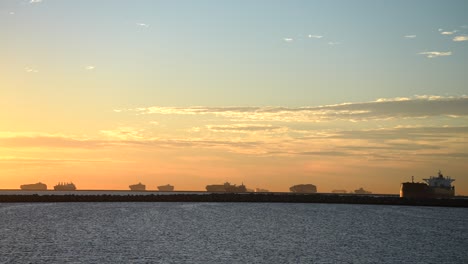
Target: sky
340,94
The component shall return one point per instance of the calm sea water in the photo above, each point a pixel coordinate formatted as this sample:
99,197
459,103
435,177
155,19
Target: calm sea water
231,233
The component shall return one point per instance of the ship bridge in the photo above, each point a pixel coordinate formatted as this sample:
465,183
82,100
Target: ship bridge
439,181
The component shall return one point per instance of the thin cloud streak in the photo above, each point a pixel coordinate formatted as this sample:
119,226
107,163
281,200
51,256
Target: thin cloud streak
460,38
143,25
384,108
435,54
31,70
431,141
241,128
448,32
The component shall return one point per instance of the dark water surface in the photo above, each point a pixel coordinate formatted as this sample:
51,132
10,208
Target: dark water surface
231,233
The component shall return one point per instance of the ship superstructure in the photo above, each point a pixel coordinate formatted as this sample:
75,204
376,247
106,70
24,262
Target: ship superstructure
440,185
65,186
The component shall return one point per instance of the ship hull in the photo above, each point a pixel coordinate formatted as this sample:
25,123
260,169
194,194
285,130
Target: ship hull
215,188
416,190
137,187
64,188
226,188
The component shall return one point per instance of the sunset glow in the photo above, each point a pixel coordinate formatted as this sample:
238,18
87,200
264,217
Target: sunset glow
192,93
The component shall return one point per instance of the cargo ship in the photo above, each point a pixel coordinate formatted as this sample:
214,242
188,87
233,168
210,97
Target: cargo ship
339,191
137,187
34,187
226,187
435,187
261,190
166,188
62,186
303,188
361,191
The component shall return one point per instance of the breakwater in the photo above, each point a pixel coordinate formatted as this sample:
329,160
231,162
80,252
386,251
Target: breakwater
237,197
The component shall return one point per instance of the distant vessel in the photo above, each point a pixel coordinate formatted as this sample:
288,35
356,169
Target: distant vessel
34,187
166,188
261,190
435,187
303,188
137,187
62,186
339,191
226,187
361,191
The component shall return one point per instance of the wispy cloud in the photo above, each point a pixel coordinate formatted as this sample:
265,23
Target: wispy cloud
435,54
384,108
90,67
31,70
242,128
35,1
142,25
12,13
39,141
333,43
448,32
124,133
315,36
410,36
397,142
461,38
288,39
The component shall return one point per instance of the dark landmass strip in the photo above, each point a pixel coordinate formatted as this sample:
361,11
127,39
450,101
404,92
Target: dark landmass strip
239,197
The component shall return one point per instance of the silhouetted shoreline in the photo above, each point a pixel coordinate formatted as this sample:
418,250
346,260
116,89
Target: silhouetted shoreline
237,197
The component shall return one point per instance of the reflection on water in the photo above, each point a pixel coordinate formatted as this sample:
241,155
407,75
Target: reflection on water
230,233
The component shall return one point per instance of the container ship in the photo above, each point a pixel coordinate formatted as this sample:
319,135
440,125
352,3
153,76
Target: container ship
303,188
226,187
34,187
166,188
62,186
435,187
261,190
361,191
137,187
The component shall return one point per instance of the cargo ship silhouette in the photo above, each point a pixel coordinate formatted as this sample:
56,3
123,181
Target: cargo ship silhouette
137,187
62,186
166,188
303,188
435,187
34,187
226,187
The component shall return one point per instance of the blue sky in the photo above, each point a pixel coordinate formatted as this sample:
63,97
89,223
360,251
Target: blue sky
234,52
